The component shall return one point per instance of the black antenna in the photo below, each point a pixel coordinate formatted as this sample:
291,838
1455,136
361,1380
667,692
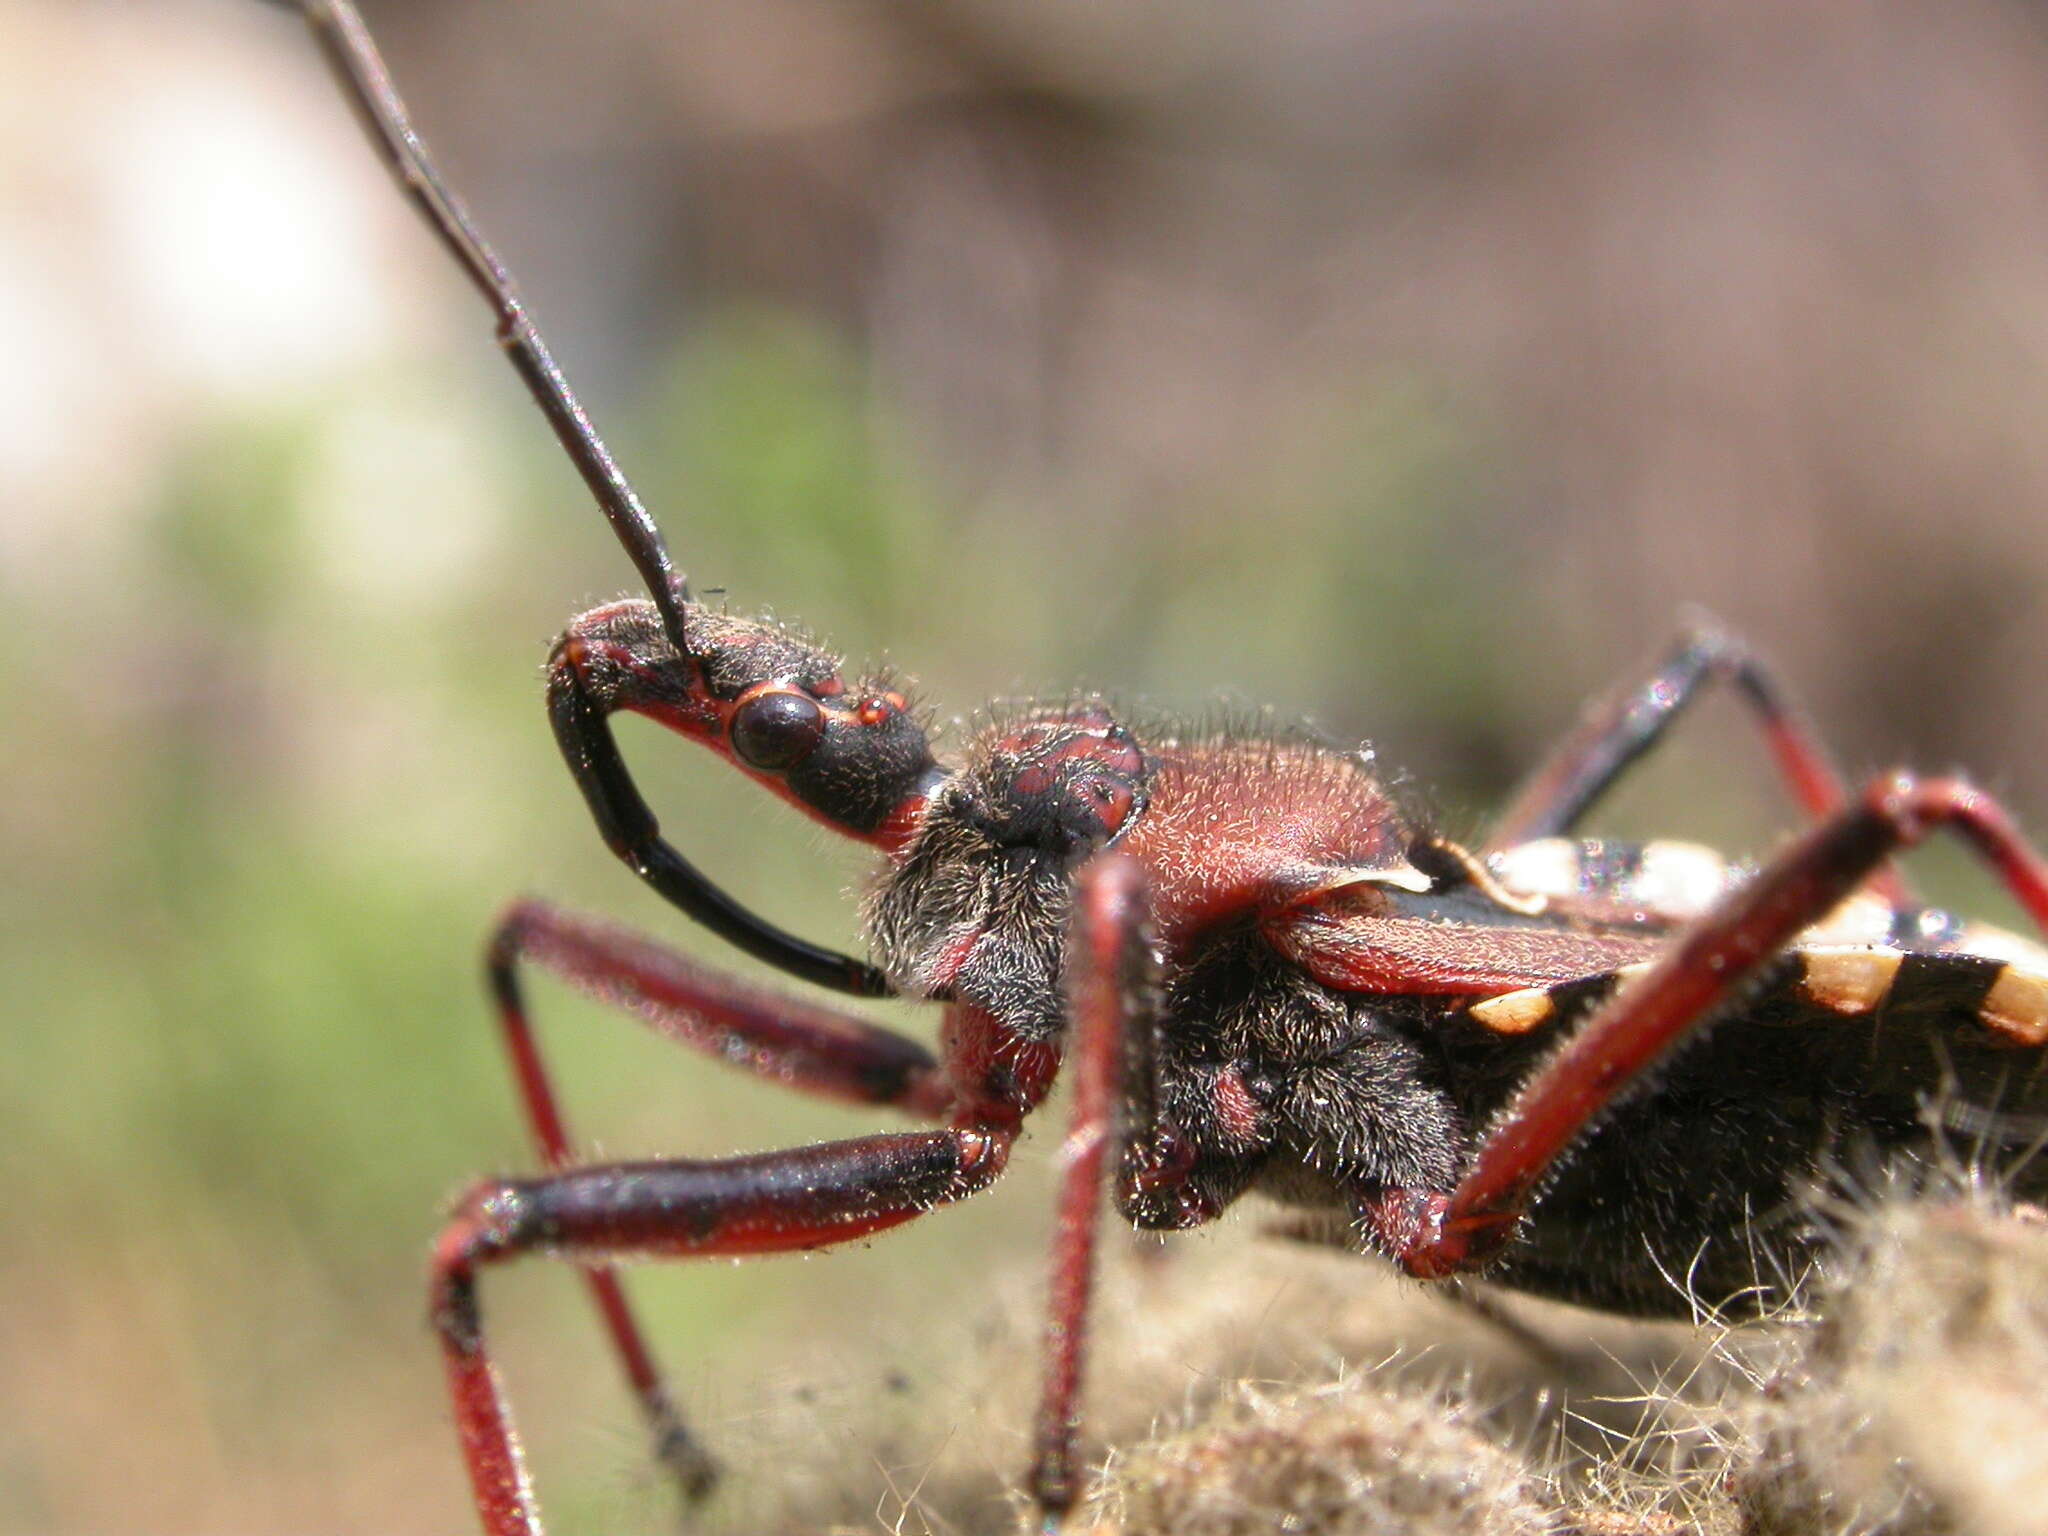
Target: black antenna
366,82
593,757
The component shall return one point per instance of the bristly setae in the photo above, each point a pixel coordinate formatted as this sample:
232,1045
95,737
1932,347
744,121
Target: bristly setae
1261,971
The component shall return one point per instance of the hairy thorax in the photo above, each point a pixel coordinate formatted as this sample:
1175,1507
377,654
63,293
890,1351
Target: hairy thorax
975,907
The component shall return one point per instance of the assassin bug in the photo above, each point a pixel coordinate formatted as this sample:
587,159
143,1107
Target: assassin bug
1265,973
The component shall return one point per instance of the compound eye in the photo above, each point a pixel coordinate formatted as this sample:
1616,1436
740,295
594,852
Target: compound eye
776,728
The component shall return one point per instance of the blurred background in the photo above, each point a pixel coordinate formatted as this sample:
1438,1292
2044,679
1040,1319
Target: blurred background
1406,367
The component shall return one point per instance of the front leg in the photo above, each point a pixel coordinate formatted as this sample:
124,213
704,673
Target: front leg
775,1202
808,1046
1110,1027
1117,1121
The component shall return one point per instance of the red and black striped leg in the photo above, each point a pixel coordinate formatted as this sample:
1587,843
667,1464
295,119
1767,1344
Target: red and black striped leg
1110,1050
809,1047
1621,727
777,1202
1436,1235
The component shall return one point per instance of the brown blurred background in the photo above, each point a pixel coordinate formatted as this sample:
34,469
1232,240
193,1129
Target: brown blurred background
1407,367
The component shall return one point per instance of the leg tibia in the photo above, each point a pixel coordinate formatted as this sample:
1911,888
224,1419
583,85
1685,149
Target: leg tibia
1620,728
771,1203
1111,1049
806,1045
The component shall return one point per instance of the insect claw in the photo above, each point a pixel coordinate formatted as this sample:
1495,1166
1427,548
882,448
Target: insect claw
695,1469
1417,1228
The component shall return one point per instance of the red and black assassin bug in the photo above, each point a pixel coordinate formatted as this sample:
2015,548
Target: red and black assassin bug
1262,971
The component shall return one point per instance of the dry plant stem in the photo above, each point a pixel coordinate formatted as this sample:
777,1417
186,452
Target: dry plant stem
1354,1458
1915,1406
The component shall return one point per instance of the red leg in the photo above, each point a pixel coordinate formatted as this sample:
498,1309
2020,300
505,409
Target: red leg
810,1047
776,1202
1437,1235
1618,729
1109,1047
